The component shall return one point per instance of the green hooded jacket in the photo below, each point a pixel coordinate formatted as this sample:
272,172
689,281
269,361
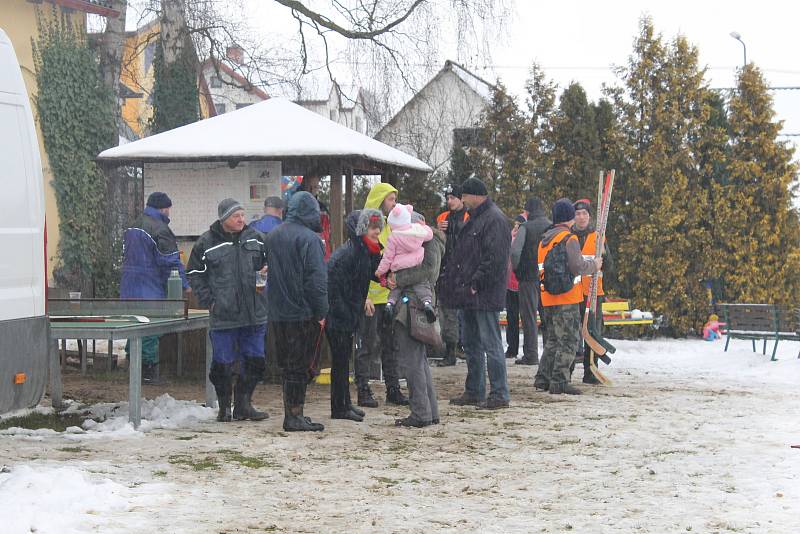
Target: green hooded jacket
378,294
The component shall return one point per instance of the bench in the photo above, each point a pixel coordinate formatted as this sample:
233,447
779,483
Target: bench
617,312
766,322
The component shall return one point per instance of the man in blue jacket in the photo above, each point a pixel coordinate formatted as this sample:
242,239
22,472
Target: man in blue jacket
273,215
297,296
149,254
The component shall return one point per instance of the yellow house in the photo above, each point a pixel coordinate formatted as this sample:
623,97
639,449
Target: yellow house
137,79
18,20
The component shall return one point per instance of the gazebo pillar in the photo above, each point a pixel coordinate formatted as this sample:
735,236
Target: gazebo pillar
337,217
348,191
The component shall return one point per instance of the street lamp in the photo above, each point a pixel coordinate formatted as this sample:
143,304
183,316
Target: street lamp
738,37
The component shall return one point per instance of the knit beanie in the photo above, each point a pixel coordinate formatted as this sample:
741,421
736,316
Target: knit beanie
533,205
368,217
563,211
227,208
454,190
159,201
583,204
400,215
473,186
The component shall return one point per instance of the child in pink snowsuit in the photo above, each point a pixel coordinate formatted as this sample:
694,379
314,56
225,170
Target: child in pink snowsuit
711,329
403,251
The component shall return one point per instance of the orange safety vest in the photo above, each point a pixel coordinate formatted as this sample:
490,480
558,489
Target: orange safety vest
589,250
574,295
443,216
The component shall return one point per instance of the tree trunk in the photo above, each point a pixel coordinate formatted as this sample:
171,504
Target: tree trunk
111,49
174,30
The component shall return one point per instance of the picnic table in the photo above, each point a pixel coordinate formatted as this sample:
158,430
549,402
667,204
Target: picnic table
114,319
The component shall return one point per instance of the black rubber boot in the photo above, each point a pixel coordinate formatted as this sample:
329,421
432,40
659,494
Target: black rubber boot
365,397
245,386
588,377
541,384
294,395
150,374
395,396
430,313
348,414
564,388
357,411
221,376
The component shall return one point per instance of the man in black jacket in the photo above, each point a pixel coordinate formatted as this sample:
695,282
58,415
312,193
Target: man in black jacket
523,260
298,302
450,222
222,272
350,270
475,280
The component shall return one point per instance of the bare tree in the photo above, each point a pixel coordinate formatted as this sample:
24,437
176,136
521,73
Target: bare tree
110,49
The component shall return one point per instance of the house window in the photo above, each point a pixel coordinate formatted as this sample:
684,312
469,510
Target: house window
216,83
466,137
241,105
220,107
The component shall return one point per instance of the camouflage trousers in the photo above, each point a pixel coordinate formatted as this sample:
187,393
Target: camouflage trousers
448,319
561,336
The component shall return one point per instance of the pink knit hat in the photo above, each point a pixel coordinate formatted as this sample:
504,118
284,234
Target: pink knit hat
400,215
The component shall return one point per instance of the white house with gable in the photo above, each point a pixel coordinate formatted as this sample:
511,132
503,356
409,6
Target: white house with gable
343,105
451,104
225,87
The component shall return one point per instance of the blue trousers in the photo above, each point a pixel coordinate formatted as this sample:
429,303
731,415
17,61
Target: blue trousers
234,344
483,347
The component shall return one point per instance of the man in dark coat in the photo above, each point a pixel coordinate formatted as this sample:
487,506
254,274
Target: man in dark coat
523,259
149,254
475,280
451,222
298,302
222,270
350,270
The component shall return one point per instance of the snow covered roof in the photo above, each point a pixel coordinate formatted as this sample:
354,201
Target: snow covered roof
276,128
475,82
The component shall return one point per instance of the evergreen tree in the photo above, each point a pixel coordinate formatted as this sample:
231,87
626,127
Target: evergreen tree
175,94
541,103
757,225
575,142
501,160
662,223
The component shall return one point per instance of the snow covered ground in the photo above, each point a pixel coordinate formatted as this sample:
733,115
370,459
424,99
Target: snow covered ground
689,439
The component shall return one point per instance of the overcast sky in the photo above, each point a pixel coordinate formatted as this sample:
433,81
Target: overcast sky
581,41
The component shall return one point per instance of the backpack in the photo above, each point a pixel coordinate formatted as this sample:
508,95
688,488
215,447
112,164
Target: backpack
557,278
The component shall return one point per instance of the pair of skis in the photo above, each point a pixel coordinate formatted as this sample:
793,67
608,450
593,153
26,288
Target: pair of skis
597,345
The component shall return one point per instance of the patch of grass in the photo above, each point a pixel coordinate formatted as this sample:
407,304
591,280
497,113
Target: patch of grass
72,449
197,465
159,473
253,462
35,421
370,437
386,481
512,424
185,438
570,441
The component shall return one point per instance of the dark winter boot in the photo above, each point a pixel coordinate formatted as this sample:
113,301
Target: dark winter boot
430,313
588,376
355,410
449,358
365,397
294,395
564,388
221,376
348,414
395,396
541,385
253,370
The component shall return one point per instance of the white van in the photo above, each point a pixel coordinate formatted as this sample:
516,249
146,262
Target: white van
23,269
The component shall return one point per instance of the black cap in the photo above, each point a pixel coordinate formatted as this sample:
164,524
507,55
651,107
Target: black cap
274,202
159,200
453,190
533,205
473,186
563,211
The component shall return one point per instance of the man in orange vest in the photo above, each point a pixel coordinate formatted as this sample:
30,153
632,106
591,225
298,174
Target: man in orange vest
562,309
587,239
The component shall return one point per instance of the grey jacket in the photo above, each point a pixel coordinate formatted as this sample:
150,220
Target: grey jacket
427,271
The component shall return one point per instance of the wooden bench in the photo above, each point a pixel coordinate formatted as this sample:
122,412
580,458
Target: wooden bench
617,312
766,322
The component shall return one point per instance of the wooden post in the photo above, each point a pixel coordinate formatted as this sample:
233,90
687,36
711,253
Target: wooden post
348,191
337,217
